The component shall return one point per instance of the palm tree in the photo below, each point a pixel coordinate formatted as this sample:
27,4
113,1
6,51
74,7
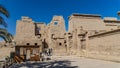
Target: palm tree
3,32
118,13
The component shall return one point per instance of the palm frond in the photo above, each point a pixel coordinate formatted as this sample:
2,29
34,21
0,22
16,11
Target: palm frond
2,30
6,35
2,22
4,11
10,37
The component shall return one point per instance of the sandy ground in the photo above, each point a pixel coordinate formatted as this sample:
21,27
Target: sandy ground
82,62
68,62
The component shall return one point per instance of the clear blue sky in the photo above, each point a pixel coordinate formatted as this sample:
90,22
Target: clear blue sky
43,10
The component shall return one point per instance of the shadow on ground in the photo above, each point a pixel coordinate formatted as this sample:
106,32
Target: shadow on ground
55,64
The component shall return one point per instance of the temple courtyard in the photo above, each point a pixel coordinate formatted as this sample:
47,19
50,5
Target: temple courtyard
68,62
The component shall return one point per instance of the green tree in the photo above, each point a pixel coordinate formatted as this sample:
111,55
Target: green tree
3,32
118,13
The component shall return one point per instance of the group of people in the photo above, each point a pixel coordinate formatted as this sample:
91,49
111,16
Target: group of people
46,54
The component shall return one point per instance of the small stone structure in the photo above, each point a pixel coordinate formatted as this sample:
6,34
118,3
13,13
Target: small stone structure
88,35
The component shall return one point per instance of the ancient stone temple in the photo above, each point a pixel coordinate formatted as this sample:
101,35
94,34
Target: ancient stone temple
34,37
88,35
27,39
98,38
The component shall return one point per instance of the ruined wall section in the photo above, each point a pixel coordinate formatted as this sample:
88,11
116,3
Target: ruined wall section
56,37
57,26
41,30
77,41
25,32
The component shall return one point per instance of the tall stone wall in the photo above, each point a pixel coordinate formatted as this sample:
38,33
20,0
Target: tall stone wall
104,46
56,37
88,22
57,26
25,32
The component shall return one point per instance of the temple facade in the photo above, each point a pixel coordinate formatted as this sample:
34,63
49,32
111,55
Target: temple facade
88,35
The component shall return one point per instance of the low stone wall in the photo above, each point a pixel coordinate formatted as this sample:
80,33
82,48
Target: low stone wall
106,47
5,51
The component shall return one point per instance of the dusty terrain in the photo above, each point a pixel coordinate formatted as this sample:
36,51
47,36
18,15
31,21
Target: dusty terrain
68,62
